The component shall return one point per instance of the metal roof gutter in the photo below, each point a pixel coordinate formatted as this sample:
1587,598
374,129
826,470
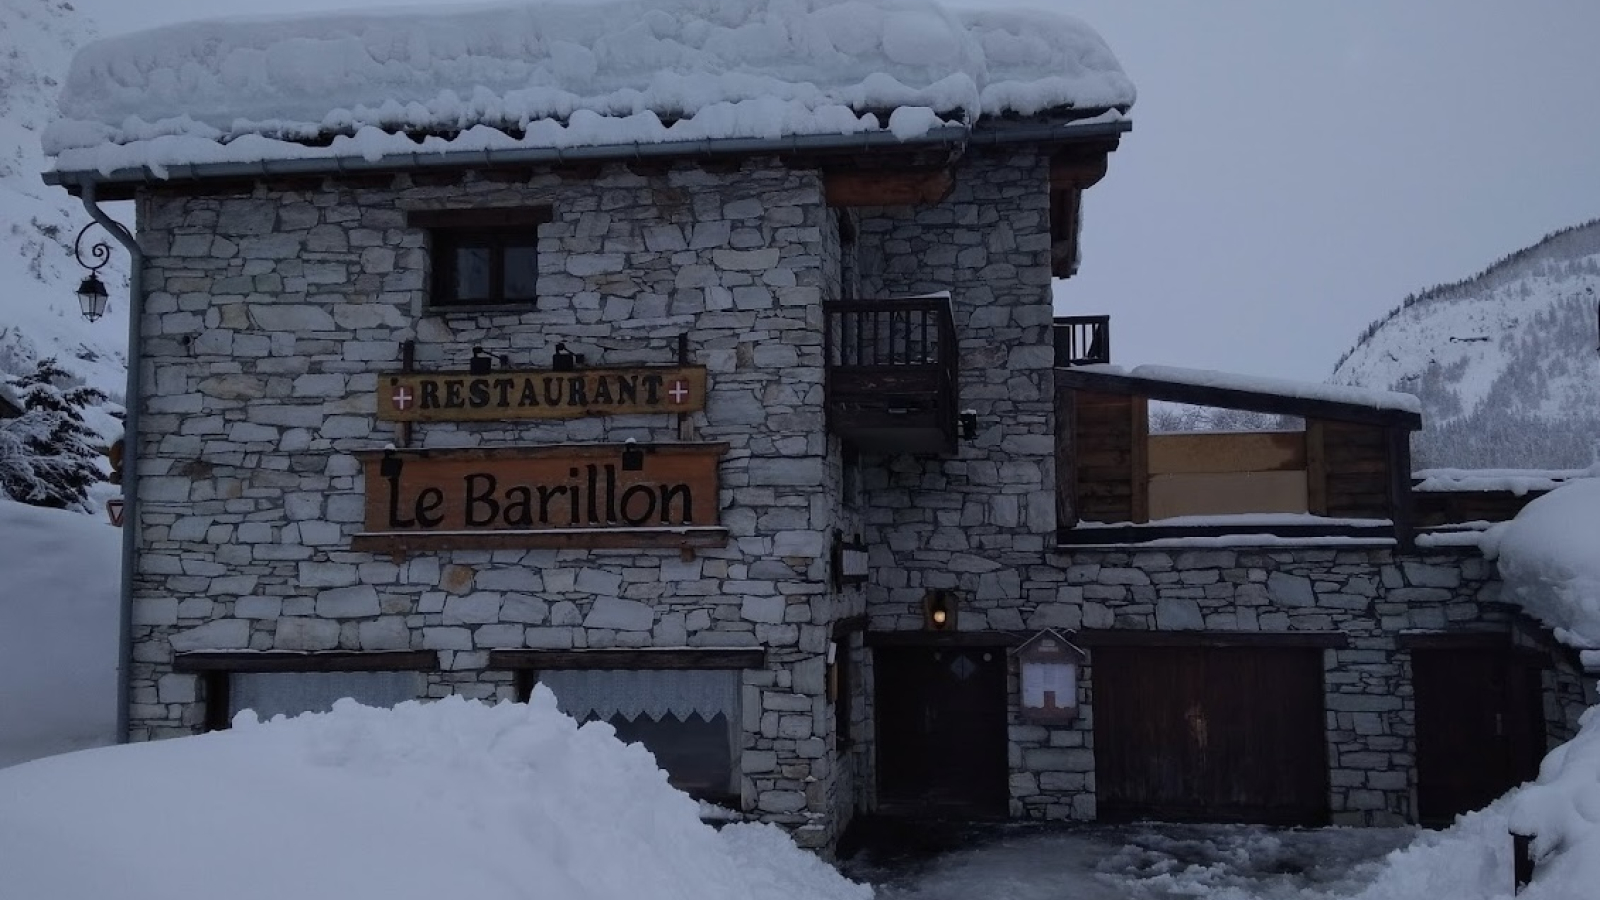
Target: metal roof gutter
945,136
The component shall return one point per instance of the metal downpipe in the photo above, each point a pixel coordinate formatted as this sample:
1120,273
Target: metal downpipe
130,455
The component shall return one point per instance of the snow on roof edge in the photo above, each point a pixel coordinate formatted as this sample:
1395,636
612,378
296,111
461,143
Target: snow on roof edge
1281,387
561,74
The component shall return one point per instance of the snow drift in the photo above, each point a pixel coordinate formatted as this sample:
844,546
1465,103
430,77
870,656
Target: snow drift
446,799
1549,560
567,74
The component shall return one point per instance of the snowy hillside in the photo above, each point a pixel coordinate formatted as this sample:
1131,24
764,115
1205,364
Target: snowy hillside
38,276
1505,362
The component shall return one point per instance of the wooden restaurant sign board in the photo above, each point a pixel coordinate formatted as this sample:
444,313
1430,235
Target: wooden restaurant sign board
571,495
543,394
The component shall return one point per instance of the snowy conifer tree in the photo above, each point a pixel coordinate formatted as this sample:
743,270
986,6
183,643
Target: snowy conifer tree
48,456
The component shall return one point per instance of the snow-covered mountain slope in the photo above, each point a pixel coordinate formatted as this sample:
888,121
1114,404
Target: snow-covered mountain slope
38,275
1505,362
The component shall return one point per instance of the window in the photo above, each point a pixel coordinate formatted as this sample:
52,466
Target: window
293,683
482,257
292,693
689,719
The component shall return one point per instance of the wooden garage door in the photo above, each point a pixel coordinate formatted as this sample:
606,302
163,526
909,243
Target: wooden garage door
1210,734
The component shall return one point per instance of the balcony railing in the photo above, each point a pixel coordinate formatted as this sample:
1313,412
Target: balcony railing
1082,340
892,367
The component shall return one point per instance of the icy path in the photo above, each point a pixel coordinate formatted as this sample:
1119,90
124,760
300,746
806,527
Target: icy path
1146,862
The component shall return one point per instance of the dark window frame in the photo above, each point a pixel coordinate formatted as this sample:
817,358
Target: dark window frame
496,230
215,668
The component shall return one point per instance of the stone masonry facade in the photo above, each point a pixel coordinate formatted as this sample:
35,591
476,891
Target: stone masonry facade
272,312
1369,596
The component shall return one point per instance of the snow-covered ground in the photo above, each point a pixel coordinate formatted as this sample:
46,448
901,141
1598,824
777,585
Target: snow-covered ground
453,798
59,578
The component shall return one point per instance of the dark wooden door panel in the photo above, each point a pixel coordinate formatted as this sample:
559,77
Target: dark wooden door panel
941,716
1210,734
1480,728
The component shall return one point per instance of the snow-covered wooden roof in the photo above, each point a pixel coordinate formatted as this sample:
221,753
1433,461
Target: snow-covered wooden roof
606,72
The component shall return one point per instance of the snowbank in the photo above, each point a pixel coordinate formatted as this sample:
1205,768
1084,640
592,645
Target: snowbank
59,580
446,799
1562,812
566,74
1549,560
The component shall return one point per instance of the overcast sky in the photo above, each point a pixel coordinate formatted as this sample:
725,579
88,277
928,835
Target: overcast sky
1296,168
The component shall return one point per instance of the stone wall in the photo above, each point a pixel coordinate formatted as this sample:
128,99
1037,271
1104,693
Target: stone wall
269,317
1369,596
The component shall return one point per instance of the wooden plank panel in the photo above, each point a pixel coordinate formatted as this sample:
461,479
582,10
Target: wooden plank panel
1316,468
1140,466
844,189
1264,451
1174,741
1227,494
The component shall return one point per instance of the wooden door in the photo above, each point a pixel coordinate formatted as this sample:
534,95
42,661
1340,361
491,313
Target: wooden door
1480,728
941,730
1210,734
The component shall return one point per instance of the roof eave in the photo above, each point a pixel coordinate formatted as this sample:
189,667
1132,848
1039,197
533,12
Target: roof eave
120,184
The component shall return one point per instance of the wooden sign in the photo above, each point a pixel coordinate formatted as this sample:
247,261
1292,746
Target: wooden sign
544,394
577,495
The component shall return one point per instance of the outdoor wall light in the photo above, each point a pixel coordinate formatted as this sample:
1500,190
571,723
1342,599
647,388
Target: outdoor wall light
391,465
939,610
632,456
969,424
483,361
92,294
565,360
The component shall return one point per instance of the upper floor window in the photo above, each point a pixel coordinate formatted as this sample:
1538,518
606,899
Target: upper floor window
482,257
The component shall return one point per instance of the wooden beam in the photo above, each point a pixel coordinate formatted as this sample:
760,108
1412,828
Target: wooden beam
849,625
1140,462
1078,172
485,217
636,659
1455,640
1129,638
311,661
945,638
887,188
1400,508
1316,469
402,543
1077,378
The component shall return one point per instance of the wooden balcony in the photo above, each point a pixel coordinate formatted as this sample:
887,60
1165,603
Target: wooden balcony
1082,340
892,367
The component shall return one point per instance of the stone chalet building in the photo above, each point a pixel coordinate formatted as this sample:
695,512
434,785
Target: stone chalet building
773,454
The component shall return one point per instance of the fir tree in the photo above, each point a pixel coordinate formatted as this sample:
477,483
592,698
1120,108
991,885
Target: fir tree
48,455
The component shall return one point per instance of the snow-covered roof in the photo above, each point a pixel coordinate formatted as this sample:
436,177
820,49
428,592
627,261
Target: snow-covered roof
1245,386
607,72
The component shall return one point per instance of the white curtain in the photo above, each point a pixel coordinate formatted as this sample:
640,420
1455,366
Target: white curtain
653,693
292,693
